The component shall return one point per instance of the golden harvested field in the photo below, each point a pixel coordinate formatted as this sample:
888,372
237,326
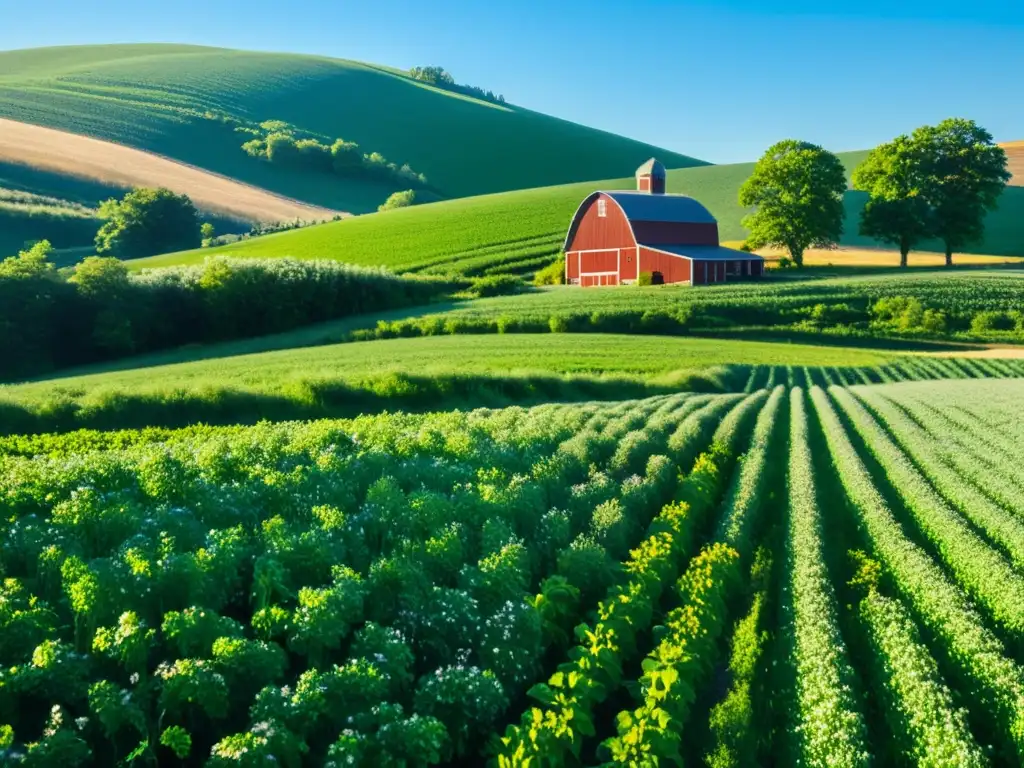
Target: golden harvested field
879,257
985,353
1015,154
105,161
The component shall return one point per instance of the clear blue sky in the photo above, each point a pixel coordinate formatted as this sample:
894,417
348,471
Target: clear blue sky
720,81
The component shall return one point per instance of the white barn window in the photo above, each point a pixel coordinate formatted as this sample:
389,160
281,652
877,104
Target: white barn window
602,207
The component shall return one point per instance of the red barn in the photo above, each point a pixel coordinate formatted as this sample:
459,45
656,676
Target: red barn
615,236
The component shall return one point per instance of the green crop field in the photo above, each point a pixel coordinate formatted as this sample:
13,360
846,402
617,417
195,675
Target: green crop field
155,97
518,232
796,572
977,306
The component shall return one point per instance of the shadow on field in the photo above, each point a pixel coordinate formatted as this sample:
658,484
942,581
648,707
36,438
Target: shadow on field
825,340
63,411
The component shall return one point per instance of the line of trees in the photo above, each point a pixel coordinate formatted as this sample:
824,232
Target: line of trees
440,78
98,310
938,182
280,143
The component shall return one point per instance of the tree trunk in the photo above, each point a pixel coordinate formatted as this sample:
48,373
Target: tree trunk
904,250
949,255
798,256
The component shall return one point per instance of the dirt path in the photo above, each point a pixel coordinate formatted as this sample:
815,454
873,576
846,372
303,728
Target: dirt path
1006,353
90,158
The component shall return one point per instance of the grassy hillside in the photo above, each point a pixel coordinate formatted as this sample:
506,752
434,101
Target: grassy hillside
520,231
36,204
166,99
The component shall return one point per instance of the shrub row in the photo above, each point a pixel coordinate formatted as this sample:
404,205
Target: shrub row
282,144
51,318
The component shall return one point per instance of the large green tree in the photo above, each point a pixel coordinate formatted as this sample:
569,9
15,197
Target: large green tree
146,222
895,177
965,173
797,188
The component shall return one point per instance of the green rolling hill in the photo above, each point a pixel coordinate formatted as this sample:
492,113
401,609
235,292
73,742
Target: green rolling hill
521,231
183,102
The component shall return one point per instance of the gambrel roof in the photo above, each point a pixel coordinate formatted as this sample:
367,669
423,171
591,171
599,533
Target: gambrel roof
643,206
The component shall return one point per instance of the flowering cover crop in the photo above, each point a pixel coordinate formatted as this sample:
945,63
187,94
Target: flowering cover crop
793,575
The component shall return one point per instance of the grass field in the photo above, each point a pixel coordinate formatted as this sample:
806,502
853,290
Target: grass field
517,232
768,309
154,98
444,371
513,353
826,575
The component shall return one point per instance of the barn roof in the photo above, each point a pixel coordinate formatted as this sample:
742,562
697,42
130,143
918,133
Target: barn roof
643,206
652,167
704,252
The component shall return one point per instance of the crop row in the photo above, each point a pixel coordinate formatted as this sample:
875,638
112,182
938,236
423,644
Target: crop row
674,669
966,644
982,571
980,454
382,556
547,735
829,724
926,725
951,473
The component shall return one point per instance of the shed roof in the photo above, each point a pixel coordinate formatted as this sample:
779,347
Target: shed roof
652,167
705,252
643,206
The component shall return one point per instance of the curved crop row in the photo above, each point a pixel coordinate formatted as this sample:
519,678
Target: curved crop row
983,456
733,722
982,571
830,729
672,670
929,729
653,732
367,576
947,473
548,734
745,497
967,644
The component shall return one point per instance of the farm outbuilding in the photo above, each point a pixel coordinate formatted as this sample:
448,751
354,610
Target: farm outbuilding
615,236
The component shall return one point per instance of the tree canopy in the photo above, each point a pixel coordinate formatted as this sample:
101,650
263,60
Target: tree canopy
939,182
146,222
797,188
965,176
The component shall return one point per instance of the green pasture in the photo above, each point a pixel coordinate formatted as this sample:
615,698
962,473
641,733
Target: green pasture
154,97
505,354
433,372
518,232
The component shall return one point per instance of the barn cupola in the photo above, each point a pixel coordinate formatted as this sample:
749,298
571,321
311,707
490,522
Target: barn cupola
650,177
